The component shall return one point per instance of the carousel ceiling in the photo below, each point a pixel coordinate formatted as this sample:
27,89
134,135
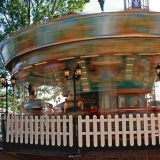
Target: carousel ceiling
117,51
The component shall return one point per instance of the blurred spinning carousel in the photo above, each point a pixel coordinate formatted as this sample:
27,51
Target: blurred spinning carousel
118,53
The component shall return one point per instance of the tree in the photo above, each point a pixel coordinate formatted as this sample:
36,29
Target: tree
4,72
47,93
15,14
43,92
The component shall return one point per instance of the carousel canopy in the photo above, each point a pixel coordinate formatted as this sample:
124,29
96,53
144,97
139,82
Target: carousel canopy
118,52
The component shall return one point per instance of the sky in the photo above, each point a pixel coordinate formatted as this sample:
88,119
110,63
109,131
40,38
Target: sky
116,5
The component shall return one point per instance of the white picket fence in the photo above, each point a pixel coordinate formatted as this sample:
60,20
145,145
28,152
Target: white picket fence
107,131
26,129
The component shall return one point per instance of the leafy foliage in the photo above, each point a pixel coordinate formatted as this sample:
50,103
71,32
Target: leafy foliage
15,14
47,93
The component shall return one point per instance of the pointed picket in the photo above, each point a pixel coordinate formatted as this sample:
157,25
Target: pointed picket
26,129
53,130
21,129
70,131
95,140
31,129
109,130
131,130
145,119
139,141
16,129
102,131
47,130
12,128
42,130
87,131
124,132
64,131
58,131
116,119
153,129
36,129
80,140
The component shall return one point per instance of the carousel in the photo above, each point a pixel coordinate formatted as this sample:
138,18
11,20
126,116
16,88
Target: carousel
117,52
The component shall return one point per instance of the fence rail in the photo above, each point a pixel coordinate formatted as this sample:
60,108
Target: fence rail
104,131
